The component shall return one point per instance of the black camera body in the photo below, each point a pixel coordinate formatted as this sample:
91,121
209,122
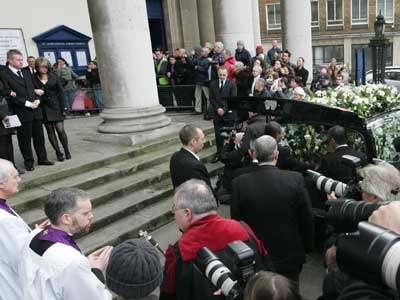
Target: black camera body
232,284
229,133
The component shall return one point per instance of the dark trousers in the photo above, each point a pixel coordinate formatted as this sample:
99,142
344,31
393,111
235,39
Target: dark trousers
27,132
6,147
228,120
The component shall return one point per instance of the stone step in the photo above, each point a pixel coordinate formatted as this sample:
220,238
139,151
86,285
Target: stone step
29,199
97,160
141,182
148,218
151,218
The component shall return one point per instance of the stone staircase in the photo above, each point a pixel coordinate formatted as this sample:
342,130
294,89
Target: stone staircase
130,190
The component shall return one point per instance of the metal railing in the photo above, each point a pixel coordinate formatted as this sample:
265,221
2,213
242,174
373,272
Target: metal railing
90,99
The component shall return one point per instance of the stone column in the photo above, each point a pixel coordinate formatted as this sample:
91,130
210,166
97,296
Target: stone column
190,24
233,20
206,21
296,30
256,23
123,47
173,23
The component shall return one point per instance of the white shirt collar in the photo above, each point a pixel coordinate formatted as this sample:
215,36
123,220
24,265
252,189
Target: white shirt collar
194,154
14,70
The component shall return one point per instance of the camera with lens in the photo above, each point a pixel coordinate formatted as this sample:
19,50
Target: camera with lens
371,254
231,281
229,133
350,190
345,214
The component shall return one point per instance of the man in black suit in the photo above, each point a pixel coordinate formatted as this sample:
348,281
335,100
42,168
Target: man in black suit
25,104
285,160
331,164
185,164
276,206
222,87
31,65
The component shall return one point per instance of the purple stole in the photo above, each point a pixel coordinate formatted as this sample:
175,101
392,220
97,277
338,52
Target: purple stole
55,235
4,206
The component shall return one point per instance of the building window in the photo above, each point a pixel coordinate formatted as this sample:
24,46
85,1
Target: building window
322,55
334,12
314,13
273,16
359,12
387,9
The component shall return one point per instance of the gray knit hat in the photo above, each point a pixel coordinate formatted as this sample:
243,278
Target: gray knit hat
134,269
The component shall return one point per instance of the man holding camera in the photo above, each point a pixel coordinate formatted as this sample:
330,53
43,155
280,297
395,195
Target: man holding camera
195,210
379,183
331,164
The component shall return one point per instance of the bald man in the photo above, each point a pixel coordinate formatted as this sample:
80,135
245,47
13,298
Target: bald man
13,234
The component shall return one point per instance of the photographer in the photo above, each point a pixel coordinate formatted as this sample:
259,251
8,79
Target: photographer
379,183
231,157
255,128
331,164
195,212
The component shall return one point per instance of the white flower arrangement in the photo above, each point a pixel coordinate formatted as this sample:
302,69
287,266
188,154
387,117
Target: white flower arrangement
366,101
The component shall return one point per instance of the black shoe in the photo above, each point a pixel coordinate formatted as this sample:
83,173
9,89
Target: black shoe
60,157
68,156
29,168
215,159
45,163
20,172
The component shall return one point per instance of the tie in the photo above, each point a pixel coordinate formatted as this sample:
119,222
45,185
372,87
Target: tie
19,74
221,86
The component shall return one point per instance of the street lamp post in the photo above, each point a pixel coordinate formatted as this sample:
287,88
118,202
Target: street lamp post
378,45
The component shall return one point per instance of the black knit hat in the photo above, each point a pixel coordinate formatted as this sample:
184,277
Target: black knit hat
134,269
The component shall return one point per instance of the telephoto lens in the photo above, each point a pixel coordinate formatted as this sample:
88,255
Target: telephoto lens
219,275
372,254
345,214
326,184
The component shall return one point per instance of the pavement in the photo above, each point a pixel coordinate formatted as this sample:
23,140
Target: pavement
83,151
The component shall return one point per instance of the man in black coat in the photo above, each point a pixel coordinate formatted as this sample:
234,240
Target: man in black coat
285,160
185,164
276,206
242,54
301,72
332,165
222,87
6,146
25,104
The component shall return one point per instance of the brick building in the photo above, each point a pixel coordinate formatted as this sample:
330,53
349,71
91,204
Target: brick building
339,27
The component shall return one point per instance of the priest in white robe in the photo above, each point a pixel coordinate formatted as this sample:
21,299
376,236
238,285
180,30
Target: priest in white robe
13,234
52,265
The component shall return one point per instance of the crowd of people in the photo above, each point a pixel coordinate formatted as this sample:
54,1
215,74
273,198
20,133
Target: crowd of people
38,94
268,73
270,205
268,195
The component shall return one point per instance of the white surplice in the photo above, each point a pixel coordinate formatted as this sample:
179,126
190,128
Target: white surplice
61,273
13,235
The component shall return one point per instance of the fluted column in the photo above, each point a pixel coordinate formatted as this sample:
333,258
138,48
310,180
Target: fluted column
206,21
233,20
296,30
123,48
256,22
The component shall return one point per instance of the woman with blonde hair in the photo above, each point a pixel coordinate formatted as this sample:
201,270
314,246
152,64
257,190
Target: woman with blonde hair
52,102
